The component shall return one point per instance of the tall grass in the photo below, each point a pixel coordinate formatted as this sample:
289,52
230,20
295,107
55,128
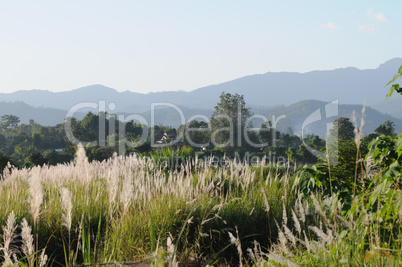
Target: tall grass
132,206
134,210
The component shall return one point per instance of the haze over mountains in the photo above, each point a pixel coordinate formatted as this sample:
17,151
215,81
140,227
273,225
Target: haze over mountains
266,93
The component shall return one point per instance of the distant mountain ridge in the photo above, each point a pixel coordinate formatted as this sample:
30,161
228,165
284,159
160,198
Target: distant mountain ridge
268,94
348,85
41,115
298,112
392,106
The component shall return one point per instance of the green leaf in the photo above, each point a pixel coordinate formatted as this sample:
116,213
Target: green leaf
178,239
398,146
394,87
216,255
152,233
343,234
399,74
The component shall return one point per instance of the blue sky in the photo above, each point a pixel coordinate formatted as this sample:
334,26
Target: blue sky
145,46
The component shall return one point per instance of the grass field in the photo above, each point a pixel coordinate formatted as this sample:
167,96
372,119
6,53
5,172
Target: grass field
135,211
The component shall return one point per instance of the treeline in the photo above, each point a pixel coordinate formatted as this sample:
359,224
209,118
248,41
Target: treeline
27,145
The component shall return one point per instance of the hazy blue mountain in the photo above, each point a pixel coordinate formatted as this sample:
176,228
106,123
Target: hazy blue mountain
43,116
298,112
393,106
269,94
348,85
66,100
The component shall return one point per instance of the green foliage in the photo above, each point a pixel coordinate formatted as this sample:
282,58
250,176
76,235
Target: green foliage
4,160
343,129
8,122
387,128
33,144
395,87
315,142
301,155
100,153
87,130
266,133
373,215
90,242
196,132
35,159
386,153
230,114
171,157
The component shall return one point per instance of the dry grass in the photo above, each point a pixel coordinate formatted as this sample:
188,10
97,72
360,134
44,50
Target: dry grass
131,209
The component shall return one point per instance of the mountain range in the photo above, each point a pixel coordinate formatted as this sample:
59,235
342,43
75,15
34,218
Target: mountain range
269,93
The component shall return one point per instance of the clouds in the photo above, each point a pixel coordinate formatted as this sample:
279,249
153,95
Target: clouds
380,17
329,26
366,28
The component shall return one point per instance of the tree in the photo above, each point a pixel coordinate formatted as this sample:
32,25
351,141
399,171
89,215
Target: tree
2,141
35,159
133,130
301,154
387,128
87,129
290,131
315,142
9,122
100,153
341,135
343,129
36,139
196,133
229,119
265,133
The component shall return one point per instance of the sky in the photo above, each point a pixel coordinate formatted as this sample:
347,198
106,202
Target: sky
148,46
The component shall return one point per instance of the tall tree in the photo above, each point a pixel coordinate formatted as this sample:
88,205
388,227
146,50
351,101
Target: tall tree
387,128
9,122
343,129
229,119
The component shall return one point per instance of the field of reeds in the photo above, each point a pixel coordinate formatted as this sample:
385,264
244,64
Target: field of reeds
136,212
